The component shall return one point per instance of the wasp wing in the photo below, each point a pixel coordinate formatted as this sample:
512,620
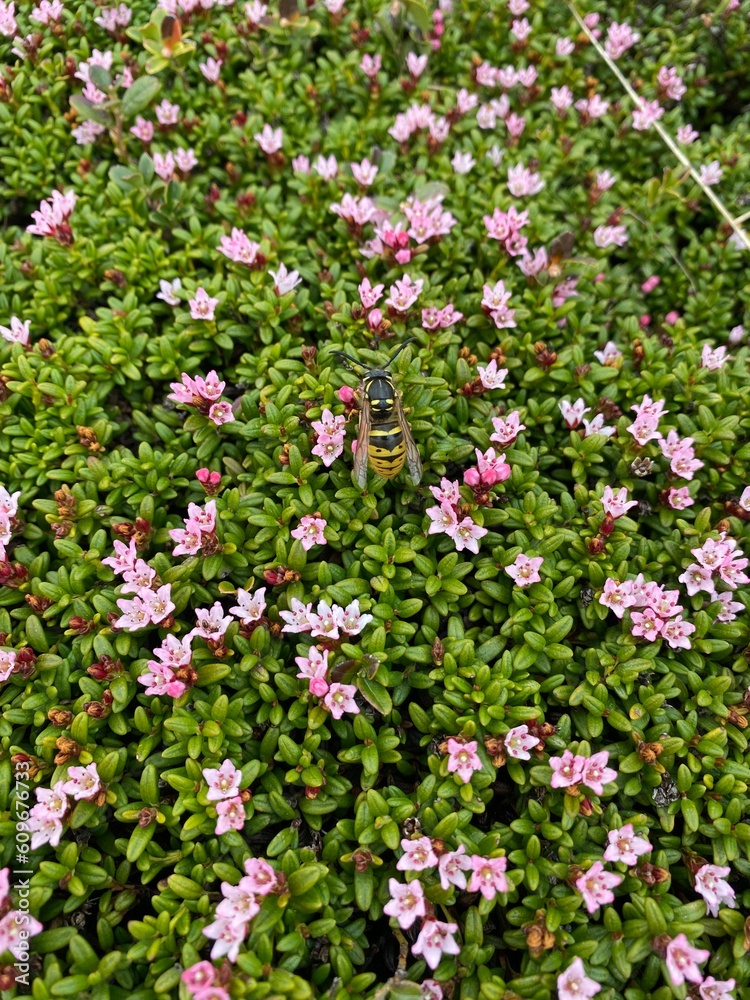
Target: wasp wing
363,440
412,452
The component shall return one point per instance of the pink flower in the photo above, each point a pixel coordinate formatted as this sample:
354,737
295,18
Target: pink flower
466,535
679,499
370,65
301,165
310,532
671,83
269,139
230,816
567,770
261,878
462,163
227,935
574,984
136,614
491,469
199,976
492,377
284,281
710,883
164,165
212,624
686,134
495,301
522,181
340,698
645,115
561,99
404,293
525,570
682,961
369,295
646,624
676,632
202,306
168,290
221,413
211,69
364,173
18,333
435,940
711,173
714,989
16,928
730,608
595,885
518,741
713,359
223,782
418,855
51,219
352,620
249,607
416,64
407,902
448,493
299,618
607,236
327,168
595,773
239,248
671,318
625,846
610,355
620,38
443,520
166,113
451,867
520,29
83,783
592,108
463,759
617,504
488,876
507,429
573,412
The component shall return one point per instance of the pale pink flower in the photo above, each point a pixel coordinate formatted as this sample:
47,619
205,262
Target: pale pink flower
610,355
269,139
83,783
53,802
527,77
518,741
564,47
340,698
491,376
448,492
199,976
710,883
451,868
624,846
687,134
223,782
47,12
352,619
561,99
676,632
520,29
203,306
326,167
51,219
418,855
255,11
525,570
595,886
18,332
159,603
443,520
310,532
463,759
711,173
615,596
135,615
168,290
407,902
683,960
592,108
364,173
16,927
566,770
522,181
416,64
646,114
714,358
227,936
507,429
607,236
212,623
239,248
211,69
488,876
435,940
533,264
284,281
620,37
646,624
87,132
466,535
736,335
715,989
301,165
595,773
221,413
671,83
370,65
261,878
250,607
230,816
462,163
404,293
573,412
596,426
574,984
616,504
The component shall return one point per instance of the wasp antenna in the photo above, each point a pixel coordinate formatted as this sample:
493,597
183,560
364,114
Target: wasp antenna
348,361
393,357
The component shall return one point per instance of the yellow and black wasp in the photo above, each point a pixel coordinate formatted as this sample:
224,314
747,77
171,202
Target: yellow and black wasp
384,438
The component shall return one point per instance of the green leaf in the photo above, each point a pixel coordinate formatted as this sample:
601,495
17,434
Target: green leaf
138,96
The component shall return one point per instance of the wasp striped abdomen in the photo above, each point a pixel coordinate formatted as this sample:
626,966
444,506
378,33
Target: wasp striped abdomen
386,449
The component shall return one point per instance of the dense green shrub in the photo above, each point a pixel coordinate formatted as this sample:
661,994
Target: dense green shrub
537,646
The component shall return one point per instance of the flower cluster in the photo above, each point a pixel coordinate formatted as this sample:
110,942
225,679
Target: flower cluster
234,913
330,435
444,518
328,622
152,603
16,926
8,512
53,804
199,533
204,395
52,217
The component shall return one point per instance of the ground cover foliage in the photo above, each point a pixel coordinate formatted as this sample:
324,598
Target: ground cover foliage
426,733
